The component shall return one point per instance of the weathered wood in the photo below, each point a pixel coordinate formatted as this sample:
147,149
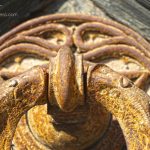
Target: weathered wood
128,12
145,3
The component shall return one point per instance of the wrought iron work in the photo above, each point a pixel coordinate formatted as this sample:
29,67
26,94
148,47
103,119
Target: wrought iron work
56,93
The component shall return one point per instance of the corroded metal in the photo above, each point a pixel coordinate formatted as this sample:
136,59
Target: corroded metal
66,81
129,104
17,96
74,93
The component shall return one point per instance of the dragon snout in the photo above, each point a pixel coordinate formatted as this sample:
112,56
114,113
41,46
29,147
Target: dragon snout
66,80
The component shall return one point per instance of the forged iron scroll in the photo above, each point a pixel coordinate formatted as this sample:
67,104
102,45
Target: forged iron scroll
95,40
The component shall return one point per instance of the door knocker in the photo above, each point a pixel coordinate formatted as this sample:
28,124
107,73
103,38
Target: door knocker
74,82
